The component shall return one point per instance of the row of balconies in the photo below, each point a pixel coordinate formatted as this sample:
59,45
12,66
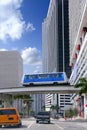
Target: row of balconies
78,48
79,58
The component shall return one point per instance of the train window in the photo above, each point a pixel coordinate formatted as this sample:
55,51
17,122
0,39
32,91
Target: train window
53,75
33,76
43,75
60,75
27,76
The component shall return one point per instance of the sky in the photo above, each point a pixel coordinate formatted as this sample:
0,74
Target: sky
21,30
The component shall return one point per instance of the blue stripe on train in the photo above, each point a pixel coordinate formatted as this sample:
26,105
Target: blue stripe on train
43,80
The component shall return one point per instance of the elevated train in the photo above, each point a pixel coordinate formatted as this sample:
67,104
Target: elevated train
45,78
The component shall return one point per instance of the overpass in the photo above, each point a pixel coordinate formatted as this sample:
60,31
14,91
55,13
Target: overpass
40,88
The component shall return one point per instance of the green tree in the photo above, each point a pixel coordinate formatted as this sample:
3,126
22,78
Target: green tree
69,113
27,100
75,111
22,96
55,107
83,85
43,108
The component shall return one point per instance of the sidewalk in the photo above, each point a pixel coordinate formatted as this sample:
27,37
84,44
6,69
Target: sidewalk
77,119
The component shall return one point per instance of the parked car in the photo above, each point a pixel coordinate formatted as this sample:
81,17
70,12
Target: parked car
58,116
9,117
43,117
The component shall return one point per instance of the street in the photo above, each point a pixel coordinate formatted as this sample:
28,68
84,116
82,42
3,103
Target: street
30,124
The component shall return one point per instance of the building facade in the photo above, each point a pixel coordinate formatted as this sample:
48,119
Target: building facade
11,73
55,43
38,104
78,48
55,38
11,69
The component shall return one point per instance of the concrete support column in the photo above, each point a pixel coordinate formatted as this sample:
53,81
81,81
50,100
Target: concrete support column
85,106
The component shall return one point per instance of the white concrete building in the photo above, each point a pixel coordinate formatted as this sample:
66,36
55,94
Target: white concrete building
11,72
11,69
78,45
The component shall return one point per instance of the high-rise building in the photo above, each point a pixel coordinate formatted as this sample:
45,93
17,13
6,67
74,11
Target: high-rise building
55,41
39,103
55,38
78,48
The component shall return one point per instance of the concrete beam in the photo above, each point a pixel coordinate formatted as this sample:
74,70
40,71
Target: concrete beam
40,89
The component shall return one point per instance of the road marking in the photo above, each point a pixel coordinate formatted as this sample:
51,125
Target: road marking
59,127
38,125
30,124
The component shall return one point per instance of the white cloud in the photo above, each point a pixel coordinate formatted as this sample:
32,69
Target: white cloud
31,56
30,27
12,24
3,49
38,69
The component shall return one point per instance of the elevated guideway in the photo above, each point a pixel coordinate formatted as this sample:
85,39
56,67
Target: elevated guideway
40,88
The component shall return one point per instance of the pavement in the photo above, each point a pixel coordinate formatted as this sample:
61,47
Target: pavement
76,119
81,122
30,121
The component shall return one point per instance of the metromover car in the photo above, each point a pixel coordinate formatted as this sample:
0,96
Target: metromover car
45,78
9,117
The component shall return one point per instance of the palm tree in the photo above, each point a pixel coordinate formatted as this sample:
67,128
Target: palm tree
83,85
43,108
26,98
55,107
54,110
22,96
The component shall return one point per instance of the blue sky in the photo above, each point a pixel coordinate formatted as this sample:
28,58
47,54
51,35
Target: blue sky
21,29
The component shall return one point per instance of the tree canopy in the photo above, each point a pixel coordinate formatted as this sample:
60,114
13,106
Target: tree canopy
83,85
55,107
21,96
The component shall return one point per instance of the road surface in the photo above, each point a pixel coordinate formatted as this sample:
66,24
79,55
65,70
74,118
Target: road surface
30,124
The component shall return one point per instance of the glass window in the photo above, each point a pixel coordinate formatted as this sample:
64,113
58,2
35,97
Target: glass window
60,75
53,75
43,113
33,76
27,76
43,75
7,112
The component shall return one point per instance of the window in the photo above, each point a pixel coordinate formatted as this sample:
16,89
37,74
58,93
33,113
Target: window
43,75
27,76
53,75
60,75
7,112
33,76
